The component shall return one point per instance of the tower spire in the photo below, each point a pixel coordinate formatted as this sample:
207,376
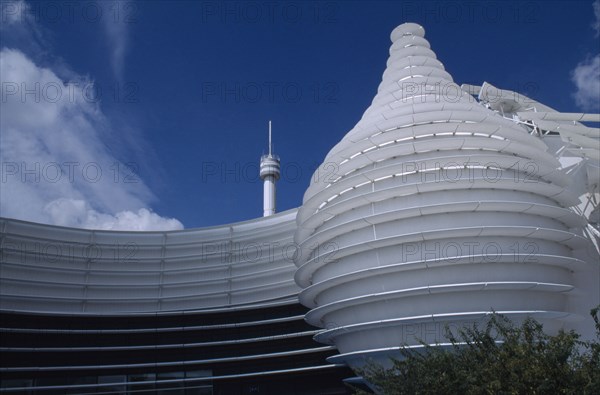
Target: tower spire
270,145
269,173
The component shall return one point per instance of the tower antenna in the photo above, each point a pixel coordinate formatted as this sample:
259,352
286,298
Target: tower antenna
270,151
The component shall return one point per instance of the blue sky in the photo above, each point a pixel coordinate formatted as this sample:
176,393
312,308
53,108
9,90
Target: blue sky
170,100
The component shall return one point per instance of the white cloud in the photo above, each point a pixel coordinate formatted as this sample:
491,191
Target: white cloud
78,213
586,78
55,166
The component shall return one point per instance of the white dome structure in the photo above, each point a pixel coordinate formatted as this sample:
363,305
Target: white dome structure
440,209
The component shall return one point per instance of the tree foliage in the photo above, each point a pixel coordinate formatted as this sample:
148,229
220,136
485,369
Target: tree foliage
496,358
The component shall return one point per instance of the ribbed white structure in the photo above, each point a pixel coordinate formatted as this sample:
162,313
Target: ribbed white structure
438,210
52,269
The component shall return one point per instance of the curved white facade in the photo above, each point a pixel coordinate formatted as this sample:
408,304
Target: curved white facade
213,310
440,210
64,270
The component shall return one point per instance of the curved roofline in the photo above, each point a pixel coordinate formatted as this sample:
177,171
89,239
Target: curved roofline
249,221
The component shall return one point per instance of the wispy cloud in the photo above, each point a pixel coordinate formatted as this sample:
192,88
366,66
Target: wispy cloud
116,29
13,12
19,28
596,24
586,76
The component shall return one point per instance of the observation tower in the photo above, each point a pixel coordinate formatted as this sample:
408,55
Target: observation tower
269,173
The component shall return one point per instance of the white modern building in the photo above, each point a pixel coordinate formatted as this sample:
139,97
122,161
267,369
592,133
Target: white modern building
447,202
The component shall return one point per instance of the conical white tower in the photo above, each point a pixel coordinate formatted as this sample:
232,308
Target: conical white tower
440,210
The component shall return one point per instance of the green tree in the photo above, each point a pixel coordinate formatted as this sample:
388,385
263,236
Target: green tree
496,358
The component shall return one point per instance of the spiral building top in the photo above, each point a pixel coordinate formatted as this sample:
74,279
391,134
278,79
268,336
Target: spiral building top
440,210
